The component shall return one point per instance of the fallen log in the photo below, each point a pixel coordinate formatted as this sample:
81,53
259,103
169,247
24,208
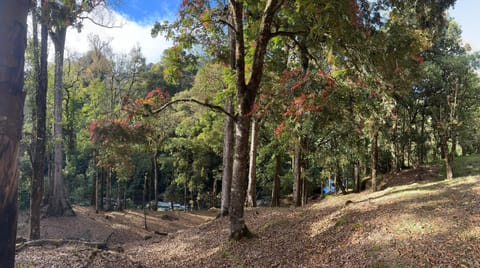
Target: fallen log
57,243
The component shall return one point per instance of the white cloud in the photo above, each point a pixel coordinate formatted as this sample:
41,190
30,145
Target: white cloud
122,39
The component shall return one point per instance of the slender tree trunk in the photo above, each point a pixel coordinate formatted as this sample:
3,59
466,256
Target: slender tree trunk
338,179
96,190
447,156
108,190
356,176
144,202
228,131
374,159
39,138
252,171
394,144
13,39
155,178
102,188
50,178
125,195
276,182
119,200
59,204
297,174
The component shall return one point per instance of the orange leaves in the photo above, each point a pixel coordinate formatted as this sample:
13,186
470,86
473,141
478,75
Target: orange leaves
279,130
299,101
419,59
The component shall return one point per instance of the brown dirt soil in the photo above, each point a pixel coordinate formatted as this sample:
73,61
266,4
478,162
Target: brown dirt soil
427,223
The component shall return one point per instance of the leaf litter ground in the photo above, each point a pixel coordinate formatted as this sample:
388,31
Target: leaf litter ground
415,221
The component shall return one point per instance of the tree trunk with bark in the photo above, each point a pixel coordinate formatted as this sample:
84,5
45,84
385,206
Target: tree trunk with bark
246,94
276,182
59,204
252,171
108,190
13,39
39,118
297,174
155,178
356,176
228,132
374,159
447,156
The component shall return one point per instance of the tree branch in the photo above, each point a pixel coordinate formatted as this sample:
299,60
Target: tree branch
100,24
206,104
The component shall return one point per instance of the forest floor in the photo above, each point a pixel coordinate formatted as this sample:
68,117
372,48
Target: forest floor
416,220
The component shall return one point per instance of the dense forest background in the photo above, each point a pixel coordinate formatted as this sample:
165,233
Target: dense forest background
344,99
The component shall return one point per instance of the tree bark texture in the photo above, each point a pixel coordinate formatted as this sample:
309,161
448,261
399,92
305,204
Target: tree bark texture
39,115
228,142
59,204
13,39
252,171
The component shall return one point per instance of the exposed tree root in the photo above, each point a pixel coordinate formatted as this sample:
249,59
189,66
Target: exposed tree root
58,242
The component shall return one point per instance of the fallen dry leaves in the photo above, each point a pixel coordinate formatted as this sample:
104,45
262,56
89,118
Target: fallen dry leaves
426,223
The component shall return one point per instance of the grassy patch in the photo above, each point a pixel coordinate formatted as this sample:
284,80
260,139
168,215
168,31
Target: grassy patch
466,166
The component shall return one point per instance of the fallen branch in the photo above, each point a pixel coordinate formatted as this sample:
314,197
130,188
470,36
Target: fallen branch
57,243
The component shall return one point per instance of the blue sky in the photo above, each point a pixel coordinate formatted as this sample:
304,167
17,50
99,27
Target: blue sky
147,11
466,13
137,17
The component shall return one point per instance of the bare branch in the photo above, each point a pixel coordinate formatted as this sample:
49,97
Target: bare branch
100,24
206,104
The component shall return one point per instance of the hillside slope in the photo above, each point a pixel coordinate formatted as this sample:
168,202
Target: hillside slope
429,224
423,224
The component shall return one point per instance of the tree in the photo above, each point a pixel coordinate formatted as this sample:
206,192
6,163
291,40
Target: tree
61,16
348,28
449,85
39,137
13,36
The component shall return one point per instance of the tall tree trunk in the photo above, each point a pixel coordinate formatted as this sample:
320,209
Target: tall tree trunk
356,176
246,94
252,171
394,144
228,131
102,188
276,182
447,156
96,190
39,138
228,143
59,204
13,37
374,158
144,202
155,179
119,194
297,174
421,144
338,179
108,190
240,165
